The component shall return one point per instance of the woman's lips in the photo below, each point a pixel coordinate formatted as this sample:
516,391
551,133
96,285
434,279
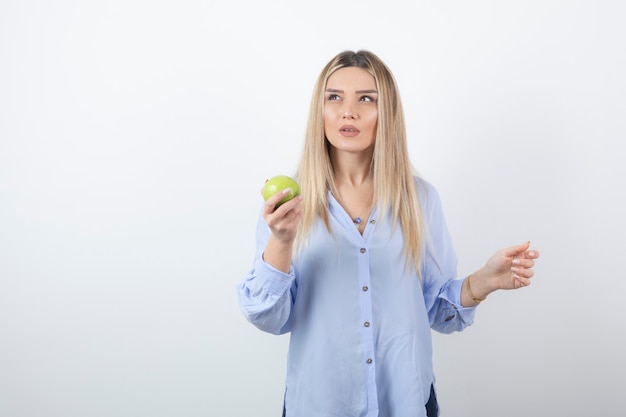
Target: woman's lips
349,131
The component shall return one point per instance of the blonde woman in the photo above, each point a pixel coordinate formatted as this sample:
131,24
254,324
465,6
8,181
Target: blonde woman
360,267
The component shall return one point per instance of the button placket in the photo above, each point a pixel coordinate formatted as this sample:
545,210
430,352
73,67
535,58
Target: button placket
365,316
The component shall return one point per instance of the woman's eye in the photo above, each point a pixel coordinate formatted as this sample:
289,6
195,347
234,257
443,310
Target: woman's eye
367,98
333,97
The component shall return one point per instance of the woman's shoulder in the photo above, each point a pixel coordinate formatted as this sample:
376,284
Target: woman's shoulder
428,195
424,187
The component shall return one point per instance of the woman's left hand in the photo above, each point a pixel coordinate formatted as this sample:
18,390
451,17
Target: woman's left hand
511,267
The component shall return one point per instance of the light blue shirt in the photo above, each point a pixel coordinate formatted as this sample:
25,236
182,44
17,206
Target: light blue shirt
360,322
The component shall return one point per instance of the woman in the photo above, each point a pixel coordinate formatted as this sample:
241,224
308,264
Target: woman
361,266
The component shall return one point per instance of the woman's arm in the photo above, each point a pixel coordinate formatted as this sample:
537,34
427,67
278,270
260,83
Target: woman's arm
267,293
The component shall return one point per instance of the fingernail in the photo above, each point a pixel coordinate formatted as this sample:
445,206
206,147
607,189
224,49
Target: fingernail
517,277
516,261
514,269
286,190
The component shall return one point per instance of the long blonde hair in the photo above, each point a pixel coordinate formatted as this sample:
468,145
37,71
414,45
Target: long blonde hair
393,175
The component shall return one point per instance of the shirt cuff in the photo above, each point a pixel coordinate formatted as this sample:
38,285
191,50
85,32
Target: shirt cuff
452,294
273,281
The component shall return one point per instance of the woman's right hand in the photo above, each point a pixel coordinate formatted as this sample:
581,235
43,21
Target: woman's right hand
283,220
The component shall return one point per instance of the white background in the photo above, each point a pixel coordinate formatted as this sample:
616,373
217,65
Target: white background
135,137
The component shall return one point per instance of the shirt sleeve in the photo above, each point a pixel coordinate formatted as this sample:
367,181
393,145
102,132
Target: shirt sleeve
442,288
266,294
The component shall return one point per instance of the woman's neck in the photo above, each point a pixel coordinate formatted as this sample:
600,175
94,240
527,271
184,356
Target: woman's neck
351,170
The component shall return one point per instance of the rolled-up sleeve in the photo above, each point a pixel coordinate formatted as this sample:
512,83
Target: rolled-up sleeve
266,297
266,294
449,315
442,288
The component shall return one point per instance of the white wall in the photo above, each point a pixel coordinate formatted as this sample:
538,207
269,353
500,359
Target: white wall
135,136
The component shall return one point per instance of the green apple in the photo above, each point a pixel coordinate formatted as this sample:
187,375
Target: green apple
279,183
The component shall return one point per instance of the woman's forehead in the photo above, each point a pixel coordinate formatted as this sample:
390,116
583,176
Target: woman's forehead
352,78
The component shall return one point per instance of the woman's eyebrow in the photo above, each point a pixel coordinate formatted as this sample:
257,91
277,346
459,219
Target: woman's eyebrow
334,90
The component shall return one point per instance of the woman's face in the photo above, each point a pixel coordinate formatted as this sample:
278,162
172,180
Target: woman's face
351,109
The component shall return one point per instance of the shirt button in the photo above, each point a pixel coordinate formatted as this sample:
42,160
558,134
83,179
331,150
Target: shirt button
362,250
365,288
372,221
366,324
369,360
